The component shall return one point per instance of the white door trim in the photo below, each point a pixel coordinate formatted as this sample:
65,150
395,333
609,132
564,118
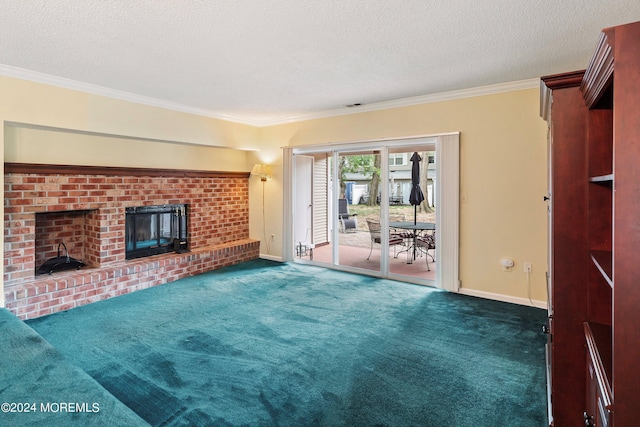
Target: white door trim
448,208
447,199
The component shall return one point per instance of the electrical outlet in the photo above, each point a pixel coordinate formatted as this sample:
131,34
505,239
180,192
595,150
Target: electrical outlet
527,267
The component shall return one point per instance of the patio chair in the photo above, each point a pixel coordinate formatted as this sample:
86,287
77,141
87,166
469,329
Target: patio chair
425,242
348,222
374,231
400,218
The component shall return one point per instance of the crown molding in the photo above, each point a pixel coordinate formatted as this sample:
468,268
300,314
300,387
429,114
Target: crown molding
555,82
34,76
416,100
37,77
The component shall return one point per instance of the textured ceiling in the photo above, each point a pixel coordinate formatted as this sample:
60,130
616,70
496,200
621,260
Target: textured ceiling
269,61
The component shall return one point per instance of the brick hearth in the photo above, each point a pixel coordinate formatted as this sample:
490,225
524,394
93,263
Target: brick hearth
85,207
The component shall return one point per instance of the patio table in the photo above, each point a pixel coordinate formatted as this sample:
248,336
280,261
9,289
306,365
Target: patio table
416,228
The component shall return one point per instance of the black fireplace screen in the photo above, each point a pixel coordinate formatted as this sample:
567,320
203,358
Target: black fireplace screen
152,230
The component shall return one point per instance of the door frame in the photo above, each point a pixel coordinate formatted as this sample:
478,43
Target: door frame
447,202
306,236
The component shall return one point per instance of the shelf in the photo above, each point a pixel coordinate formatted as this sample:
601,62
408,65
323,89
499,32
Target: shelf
603,260
602,179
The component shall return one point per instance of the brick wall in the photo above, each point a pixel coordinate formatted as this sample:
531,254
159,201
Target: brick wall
86,207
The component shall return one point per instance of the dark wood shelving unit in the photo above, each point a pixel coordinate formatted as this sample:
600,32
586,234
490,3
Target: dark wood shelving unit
594,314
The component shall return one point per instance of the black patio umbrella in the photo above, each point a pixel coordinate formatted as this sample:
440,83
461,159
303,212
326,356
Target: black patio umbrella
415,197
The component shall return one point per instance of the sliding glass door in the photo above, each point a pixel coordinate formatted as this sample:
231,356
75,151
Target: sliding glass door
354,207
356,183
412,210
332,211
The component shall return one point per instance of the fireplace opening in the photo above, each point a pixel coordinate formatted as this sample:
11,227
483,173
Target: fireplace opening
153,230
62,233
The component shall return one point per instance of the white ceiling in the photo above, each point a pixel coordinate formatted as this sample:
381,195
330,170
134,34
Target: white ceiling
270,61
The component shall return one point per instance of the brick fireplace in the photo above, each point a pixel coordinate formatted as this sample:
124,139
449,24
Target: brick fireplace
85,208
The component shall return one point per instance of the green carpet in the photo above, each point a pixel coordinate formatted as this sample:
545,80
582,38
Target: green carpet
270,344
38,387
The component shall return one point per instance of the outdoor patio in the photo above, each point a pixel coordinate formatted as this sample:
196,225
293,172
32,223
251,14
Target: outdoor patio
355,246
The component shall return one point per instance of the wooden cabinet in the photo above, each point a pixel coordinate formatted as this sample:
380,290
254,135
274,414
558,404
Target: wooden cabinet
594,160
564,108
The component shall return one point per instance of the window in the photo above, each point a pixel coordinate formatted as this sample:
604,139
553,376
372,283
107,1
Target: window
397,159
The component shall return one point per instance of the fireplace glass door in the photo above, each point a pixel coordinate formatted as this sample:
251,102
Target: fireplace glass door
152,230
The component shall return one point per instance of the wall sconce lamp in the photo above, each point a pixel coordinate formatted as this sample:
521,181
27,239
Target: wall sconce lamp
263,171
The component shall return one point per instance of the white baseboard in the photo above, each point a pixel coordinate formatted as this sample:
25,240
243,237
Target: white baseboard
466,291
503,298
272,257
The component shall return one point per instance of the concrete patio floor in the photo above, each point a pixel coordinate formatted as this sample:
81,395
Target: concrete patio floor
355,247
